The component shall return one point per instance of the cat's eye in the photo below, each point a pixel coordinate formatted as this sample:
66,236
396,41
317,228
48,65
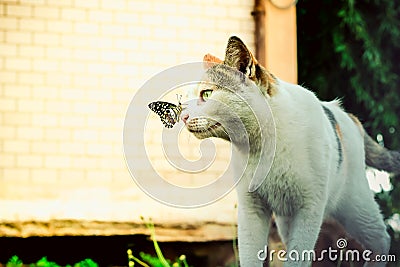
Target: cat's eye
205,94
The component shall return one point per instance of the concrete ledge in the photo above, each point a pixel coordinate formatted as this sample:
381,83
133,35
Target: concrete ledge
186,232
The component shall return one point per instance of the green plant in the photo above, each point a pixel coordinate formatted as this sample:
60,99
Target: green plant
154,261
15,261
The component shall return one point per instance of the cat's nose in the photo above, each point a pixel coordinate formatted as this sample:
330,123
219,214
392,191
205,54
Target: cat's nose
185,117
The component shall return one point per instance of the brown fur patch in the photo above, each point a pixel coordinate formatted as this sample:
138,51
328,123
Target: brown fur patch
357,122
210,60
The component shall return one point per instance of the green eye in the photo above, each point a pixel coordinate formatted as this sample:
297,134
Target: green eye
205,94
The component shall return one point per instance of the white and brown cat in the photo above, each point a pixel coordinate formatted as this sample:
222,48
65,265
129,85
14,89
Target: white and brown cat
318,171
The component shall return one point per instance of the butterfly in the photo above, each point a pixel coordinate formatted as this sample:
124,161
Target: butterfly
169,113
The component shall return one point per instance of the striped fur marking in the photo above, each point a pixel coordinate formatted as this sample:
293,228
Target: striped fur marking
337,131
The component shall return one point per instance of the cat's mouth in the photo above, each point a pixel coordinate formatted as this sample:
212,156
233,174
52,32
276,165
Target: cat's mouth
210,128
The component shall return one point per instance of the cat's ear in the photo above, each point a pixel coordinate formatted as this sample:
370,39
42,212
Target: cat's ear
210,60
238,56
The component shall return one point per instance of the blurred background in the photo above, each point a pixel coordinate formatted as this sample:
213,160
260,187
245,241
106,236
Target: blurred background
69,69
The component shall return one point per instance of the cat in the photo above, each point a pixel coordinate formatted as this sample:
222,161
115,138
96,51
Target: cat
318,170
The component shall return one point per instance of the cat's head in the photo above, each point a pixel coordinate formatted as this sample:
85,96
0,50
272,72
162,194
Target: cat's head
225,101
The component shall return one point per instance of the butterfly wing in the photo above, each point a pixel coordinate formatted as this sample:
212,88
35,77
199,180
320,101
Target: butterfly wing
168,112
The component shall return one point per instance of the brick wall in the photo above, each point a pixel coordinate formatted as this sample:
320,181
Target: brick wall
68,70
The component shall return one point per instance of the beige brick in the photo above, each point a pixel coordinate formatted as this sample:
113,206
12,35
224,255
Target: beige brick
101,16
32,2
73,67
73,14
58,53
190,9
15,37
47,39
72,148
29,161
112,56
113,30
110,135
18,64
129,18
86,135
45,65
17,91
72,94
116,82
17,119
44,120
100,95
28,24
59,134
86,54
2,10
31,78
72,175
44,175
16,146
113,163
99,176
56,161
8,76
58,106
126,44
73,41
30,105
60,3
225,23
238,12
31,51
45,92
113,4
15,174
84,162
46,12
98,149
7,160
59,26
168,34
86,28
45,147
104,42
7,132
8,50
73,121
99,68
85,107
8,23
138,6
57,78
19,10
177,21
7,104
92,4
30,133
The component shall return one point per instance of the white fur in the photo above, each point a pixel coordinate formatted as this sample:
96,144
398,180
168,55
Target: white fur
306,184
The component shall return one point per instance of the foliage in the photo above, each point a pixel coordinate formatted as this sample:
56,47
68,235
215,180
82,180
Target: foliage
158,260
350,49
15,261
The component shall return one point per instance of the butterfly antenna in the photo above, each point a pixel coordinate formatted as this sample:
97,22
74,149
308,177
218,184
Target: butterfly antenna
179,97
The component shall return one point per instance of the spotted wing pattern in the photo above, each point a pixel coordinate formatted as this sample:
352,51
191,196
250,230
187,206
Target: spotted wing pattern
169,113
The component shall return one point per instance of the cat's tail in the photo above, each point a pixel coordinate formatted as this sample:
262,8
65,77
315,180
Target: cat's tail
379,157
